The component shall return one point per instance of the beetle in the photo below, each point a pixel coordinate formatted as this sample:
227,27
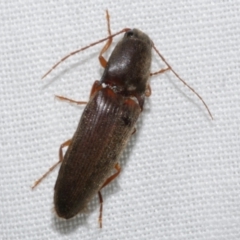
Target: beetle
107,122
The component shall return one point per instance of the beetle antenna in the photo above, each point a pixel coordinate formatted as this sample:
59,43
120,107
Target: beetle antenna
84,48
163,59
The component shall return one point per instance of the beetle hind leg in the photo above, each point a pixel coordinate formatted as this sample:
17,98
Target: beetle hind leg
110,179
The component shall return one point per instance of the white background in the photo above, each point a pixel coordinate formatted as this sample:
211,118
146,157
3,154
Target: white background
181,170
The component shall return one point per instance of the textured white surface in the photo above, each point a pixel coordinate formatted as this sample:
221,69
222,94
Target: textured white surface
181,171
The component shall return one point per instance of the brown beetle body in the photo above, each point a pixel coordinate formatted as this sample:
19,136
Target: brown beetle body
106,124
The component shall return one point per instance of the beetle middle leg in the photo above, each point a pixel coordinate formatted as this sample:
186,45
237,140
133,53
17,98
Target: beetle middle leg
70,100
96,87
110,179
65,144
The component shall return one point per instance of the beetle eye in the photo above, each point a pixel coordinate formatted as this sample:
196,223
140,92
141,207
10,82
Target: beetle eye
129,33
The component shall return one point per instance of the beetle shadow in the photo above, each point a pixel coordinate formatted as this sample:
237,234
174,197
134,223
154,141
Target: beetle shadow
68,69
190,99
171,78
64,226
67,226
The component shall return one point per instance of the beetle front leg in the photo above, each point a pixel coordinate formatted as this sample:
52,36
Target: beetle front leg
160,71
102,60
148,91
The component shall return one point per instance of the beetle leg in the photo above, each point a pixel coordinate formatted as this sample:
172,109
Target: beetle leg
102,60
69,100
110,179
65,144
86,47
148,91
95,88
118,168
160,71
101,207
